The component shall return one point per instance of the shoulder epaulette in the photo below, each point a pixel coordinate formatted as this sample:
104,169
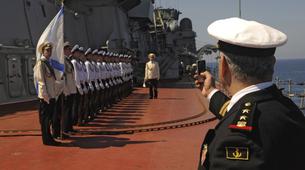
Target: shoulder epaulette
244,118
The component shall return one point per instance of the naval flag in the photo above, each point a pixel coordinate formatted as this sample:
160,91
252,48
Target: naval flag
54,33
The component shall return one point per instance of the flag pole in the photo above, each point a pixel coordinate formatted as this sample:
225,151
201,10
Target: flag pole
63,115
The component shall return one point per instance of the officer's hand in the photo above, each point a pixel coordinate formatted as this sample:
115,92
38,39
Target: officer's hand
85,90
205,82
80,90
97,86
46,99
91,87
102,86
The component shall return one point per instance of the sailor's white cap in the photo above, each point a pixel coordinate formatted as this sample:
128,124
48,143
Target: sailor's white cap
101,52
67,43
81,49
236,32
76,47
95,51
88,51
45,45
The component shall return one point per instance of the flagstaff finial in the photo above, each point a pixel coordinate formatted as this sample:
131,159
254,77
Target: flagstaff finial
60,2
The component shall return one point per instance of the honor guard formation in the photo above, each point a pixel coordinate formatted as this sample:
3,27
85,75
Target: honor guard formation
92,82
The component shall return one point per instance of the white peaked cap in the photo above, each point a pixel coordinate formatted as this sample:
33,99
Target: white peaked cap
76,47
245,33
88,51
95,51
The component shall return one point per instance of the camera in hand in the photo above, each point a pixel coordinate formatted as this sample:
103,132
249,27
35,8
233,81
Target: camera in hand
201,66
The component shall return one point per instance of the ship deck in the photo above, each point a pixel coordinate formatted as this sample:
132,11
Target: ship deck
136,133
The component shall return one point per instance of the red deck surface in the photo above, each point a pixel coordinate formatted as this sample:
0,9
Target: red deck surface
168,149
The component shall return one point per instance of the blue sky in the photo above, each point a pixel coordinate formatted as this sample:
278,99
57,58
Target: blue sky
287,16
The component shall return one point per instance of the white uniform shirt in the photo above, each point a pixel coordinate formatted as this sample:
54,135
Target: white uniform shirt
152,70
70,87
77,74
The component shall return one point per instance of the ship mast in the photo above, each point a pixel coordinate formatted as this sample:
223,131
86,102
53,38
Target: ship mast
239,4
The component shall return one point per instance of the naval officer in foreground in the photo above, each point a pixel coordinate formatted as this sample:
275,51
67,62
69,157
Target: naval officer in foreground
259,127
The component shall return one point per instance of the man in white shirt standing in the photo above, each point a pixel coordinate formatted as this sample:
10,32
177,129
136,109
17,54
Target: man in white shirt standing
44,80
79,83
69,90
152,75
259,127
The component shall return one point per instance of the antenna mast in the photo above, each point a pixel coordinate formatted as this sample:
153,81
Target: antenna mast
239,4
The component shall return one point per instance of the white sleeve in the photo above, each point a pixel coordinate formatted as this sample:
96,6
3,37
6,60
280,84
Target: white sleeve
76,76
88,71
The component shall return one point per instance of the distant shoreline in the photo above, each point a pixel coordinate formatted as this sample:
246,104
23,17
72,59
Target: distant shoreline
290,58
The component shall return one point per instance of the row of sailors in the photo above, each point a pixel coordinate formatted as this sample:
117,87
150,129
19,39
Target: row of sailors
93,81
100,79
91,66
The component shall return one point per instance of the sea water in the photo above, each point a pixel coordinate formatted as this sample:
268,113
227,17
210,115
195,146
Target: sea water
294,70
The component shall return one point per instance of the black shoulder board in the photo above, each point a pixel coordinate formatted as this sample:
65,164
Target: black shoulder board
243,120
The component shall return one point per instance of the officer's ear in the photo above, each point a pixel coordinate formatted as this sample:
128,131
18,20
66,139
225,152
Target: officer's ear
224,71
